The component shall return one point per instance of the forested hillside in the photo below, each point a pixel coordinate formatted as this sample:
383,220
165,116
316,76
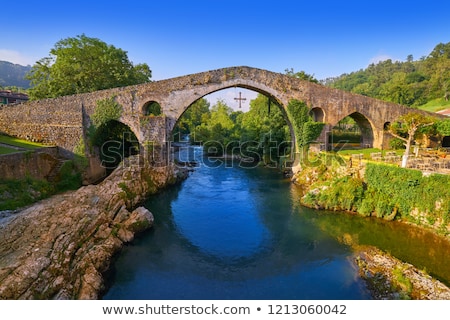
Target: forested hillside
13,75
412,83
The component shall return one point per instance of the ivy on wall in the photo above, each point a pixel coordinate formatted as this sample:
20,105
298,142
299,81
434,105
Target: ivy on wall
387,192
404,190
306,129
106,110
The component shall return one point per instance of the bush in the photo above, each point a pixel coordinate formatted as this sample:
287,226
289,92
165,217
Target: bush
406,189
396,144
343,194
388,192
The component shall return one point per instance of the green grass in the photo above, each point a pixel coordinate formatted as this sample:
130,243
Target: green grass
6,150
20,143
435,105
18,193
366,152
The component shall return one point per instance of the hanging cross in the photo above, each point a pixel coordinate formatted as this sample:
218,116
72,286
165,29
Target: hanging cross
240,99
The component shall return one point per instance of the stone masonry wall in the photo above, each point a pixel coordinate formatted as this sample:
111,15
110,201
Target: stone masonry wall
52,121
37,164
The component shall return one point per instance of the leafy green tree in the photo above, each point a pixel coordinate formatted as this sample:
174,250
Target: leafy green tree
407,128
264,131
216,130
194,116
115,140
221,114
439,66
301,75
83,64
443,127
411,83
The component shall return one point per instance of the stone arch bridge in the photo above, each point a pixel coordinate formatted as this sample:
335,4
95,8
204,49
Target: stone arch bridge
63,121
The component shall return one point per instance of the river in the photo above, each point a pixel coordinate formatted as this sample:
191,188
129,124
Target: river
229,232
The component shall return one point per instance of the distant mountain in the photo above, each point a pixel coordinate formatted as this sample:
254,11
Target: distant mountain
13,75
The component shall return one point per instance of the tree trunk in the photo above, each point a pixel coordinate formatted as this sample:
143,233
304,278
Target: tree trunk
405,157
406,154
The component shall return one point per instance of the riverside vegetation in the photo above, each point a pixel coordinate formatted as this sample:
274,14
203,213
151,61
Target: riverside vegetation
380,190
386,192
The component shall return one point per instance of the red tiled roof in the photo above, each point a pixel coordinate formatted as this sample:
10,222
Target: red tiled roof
445,112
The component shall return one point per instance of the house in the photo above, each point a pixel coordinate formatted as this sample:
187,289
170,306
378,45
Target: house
9,97
445,112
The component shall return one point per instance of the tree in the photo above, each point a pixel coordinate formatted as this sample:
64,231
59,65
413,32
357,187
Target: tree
411,83
194,116
439,65
302,75
406,129
443,127
83,64
264,131
216,132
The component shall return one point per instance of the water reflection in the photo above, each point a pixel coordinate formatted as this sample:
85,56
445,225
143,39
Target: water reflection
241,234
222,220
233,234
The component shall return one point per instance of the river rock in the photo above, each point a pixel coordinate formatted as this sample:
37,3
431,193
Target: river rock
389,278
60,247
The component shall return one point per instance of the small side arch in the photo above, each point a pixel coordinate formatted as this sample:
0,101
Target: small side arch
151,108
317,114
364,132
446,142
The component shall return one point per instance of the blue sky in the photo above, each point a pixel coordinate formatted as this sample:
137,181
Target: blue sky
323,38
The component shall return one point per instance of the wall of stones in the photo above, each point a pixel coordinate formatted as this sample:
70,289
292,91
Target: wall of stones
53,121
37,164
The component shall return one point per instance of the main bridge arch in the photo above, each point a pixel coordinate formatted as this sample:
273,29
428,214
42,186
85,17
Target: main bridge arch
236,83
274,99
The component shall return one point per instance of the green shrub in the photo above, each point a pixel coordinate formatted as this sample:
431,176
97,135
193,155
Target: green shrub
69,177
344,193
388,192
406,189
367,207
19,193
396,144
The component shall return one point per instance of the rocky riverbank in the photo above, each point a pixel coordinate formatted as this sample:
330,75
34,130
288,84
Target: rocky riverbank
389,278
60,247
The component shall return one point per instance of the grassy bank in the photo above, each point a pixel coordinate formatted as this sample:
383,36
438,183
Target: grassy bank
20,143
6,150
17,193
11,145
380,190
435,105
